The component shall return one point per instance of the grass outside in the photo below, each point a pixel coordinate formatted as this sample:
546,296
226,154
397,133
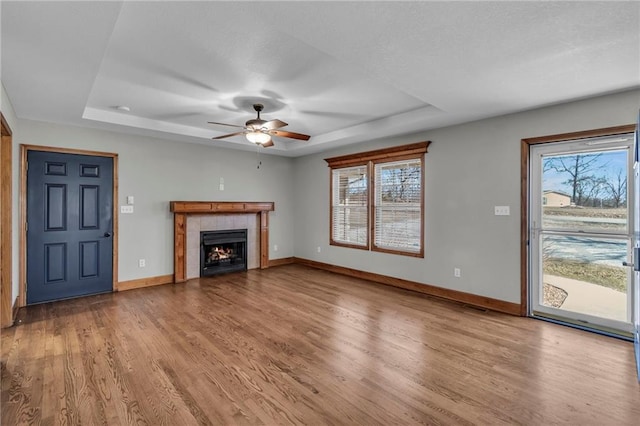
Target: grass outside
612,213
603,275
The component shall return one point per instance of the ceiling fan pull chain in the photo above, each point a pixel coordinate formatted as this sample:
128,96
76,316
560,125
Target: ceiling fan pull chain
258,156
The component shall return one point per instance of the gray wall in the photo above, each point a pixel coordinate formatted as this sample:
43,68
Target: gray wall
469,169
156,171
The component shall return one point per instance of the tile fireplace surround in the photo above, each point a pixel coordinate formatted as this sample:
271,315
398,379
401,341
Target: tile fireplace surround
191,217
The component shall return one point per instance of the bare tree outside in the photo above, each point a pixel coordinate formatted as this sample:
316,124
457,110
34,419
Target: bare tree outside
585,192
581,235
401,184
581,169
616,187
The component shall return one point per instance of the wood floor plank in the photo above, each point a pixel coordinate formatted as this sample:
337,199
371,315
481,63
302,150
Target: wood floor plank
295,345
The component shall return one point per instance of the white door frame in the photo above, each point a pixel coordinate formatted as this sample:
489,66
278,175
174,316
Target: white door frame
525,145
537,232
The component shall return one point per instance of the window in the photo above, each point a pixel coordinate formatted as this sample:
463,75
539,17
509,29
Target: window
377,200
398,205
350,206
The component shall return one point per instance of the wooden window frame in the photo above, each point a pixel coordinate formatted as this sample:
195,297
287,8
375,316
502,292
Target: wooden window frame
372,204
370,159
368,177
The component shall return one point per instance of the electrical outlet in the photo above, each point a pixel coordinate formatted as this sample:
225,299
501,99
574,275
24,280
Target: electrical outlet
456,272
319,249
275,247
142,263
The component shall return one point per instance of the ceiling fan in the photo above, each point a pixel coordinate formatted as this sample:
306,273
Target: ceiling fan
259,131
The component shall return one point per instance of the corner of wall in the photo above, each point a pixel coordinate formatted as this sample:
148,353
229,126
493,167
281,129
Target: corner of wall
12,120
7,109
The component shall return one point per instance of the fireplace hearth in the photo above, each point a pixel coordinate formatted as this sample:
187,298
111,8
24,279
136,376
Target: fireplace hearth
223,251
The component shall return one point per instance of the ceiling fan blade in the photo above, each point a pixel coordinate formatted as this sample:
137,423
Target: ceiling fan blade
274,124
225,124
229,135
292,135
268,144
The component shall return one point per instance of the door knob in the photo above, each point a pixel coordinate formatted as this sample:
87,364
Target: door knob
107,234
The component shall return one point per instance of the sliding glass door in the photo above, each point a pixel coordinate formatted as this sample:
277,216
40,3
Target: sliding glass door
581,233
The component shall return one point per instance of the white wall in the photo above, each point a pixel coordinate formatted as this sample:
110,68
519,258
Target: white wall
156,171
469,169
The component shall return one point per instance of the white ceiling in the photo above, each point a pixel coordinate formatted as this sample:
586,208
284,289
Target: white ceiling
342,72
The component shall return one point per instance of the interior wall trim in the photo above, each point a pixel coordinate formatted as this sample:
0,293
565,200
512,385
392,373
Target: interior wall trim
145,282
283,261
14,311
431,290
7,314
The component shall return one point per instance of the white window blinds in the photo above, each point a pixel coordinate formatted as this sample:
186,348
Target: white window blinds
350,203
397,205
377,200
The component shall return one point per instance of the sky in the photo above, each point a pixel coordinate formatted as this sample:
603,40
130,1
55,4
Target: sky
608,164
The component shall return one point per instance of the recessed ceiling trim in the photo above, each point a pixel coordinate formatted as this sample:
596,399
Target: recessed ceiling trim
116,117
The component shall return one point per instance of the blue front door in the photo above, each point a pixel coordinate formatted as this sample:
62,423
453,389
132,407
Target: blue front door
69,225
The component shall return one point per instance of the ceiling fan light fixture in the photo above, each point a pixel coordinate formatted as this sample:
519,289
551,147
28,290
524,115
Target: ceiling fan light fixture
259,131
258,137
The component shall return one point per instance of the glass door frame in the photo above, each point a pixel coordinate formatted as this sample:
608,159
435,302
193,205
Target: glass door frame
636,246
525,190
538,232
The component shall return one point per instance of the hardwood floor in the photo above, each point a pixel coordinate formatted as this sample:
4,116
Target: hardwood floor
295,345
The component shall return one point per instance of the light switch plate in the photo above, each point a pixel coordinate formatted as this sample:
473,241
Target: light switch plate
130,199
126,209
502,211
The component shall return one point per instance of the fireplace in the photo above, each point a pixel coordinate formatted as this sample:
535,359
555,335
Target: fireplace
223,251
186,258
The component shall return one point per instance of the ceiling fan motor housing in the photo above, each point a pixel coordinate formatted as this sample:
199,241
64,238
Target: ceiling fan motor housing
256,123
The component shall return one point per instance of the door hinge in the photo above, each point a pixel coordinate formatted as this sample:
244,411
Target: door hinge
26,226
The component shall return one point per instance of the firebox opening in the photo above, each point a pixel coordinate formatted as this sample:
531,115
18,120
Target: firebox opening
223,251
